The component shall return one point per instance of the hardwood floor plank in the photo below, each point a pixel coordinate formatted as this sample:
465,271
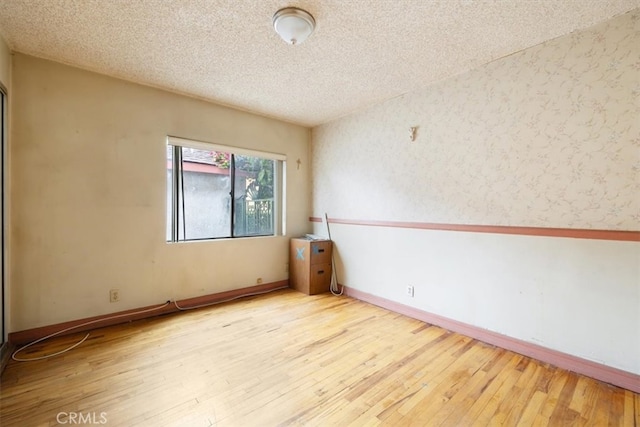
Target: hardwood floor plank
579,394
429,377
555,387
562,413
501,396
487,397
435,396
398,388
509,410
589,401
459,401
289,359
531,410
603,404
616,408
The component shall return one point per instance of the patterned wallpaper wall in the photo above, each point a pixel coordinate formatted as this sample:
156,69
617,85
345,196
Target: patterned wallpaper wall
547,137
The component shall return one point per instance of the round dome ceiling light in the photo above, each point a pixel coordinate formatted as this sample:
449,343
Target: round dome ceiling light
293,25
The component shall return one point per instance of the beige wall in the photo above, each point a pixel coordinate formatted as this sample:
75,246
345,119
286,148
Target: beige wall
88,199
5,64
547,137
5,81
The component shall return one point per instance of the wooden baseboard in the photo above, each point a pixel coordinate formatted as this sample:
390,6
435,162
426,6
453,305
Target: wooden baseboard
617,377
608,374
5,354
30,335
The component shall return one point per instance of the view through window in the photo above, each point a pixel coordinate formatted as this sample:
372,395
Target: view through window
216,192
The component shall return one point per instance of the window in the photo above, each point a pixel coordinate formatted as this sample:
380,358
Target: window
215,191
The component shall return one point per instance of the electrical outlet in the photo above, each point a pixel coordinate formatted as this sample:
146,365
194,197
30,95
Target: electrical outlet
259,280
114,295
410,291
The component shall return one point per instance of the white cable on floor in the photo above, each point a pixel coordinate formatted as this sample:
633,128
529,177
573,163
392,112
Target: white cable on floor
17,359
225,300
334,275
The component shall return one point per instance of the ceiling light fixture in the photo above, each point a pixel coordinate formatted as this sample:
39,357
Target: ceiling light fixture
293,25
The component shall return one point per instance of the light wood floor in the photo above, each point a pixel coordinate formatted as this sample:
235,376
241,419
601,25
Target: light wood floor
289,359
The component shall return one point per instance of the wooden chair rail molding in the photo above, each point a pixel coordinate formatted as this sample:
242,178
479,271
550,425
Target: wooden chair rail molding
575,233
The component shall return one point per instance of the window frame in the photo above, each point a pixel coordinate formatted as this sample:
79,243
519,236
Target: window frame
176,189
4,205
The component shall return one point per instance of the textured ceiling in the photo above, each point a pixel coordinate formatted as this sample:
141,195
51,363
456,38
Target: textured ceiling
362,52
